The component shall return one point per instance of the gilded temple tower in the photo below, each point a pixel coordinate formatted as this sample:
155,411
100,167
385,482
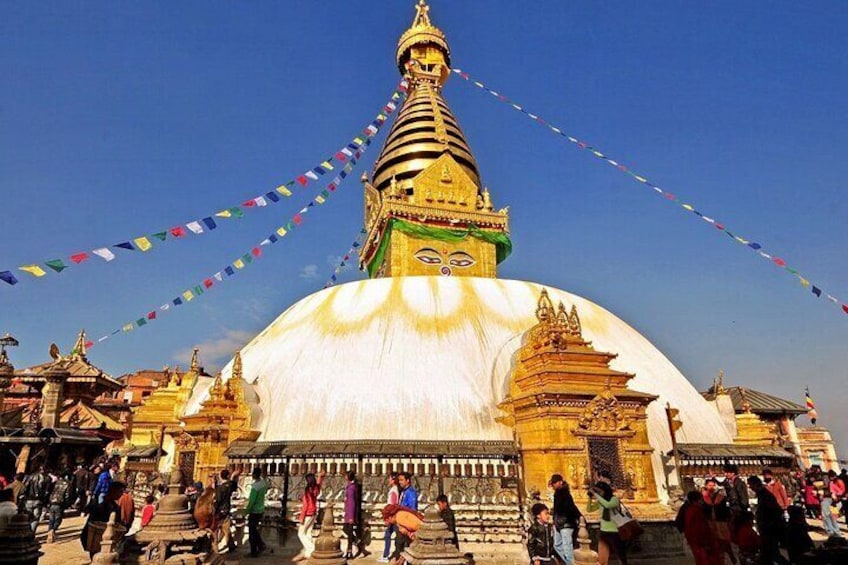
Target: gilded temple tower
426,209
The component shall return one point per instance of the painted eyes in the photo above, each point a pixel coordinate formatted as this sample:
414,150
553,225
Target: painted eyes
430,256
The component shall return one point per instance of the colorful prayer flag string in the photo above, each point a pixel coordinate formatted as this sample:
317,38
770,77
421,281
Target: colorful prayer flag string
345,261
247,258
350,152
669,196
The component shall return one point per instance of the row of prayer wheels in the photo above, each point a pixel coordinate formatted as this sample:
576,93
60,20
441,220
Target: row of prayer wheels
479,469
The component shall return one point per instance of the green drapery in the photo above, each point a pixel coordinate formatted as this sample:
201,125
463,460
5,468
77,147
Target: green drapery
503,245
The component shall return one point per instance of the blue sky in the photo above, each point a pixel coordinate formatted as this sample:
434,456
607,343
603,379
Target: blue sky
120,119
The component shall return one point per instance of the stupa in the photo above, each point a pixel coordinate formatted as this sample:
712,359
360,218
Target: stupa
433,544
418,368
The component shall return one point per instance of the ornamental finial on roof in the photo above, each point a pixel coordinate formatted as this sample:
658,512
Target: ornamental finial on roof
237,374
195,364
79,346
422,14
545,308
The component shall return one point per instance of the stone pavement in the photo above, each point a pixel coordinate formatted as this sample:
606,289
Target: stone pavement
68,551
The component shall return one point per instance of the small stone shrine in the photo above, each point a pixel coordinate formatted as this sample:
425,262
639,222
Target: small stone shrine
18,544
328,548
433,543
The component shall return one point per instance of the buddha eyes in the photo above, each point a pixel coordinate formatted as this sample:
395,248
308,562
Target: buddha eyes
461,259
428,256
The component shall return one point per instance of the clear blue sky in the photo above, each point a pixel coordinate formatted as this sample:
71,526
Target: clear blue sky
121,119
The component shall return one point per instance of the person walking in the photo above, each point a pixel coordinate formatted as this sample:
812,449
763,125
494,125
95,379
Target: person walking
540,536
408,494
255,509
776,488
60,499
812,502
308,512
696,529
222,523
770,523
737,496
126,505
718,520
81,480
566,518
37,488
448,517
798,540
103,485
353,516
601,498
829,523
392,498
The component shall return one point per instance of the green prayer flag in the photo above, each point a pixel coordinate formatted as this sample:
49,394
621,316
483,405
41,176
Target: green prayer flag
198,290
160,235
141,321
236,212
247,258
56,265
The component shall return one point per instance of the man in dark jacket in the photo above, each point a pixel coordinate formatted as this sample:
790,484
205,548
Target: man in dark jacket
540,536
566,518
82,480
227,486
60,498
37,487
737,495
770,523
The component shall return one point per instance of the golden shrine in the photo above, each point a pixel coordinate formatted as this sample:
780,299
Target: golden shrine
572,414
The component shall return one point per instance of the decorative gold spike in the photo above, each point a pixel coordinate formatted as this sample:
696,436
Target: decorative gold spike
195,364
79,346
574,326
545,308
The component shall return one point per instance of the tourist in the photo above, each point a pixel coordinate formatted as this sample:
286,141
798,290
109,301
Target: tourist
37,488
192,492
829,513
601,497
776,488
837,489
696,529
255,509
82,483
407,521
392,498
737,495
566,518
308,512
798,540
100,512
770,523
149,510
126,505
812,502
353,517
718,519
222,524
8,508
60,499
17,488
408,494
102,486
540,536
448,517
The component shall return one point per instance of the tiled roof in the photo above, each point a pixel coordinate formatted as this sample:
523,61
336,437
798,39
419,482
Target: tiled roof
761,403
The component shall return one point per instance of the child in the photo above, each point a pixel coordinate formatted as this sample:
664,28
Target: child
149,510
446,512
540,536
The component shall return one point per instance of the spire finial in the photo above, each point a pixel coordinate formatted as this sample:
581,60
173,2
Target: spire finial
545,308
195,364
422,14
216,392
79,346
237,374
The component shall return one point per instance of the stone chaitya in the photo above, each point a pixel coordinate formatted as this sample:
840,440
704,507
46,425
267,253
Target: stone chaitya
433,544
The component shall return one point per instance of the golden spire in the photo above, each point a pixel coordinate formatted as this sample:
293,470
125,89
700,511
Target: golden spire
216,392
237,374
79,346
415,42
195,364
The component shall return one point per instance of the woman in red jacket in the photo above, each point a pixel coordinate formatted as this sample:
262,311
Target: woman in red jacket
697,530
308,511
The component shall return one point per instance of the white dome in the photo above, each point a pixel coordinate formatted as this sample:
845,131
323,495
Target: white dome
428,358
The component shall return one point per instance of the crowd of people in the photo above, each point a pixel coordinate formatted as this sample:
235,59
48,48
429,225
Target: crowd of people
721,520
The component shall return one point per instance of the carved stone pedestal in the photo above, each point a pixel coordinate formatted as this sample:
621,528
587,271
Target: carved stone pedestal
433,543
18,544
328,548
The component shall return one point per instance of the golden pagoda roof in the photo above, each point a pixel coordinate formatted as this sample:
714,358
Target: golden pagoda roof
421,32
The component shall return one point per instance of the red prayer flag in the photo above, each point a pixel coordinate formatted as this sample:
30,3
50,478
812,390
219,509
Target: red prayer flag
301,180
79,258
249,203
670,196
346,257
719,226
779,262
256,252
151,315
622,168
341,156
297,219
331,187
207,283
845,307
178,231
89,344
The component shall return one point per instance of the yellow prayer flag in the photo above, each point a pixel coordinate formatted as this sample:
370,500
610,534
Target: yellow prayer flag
358,140
804,282
127,328
224,214
188,295
238,264
142,243
320,199
281,232
283,190
34,270
640,179
688,207
327,165
741,240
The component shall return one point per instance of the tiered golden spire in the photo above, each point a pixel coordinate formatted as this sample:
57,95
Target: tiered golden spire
79,347
426,176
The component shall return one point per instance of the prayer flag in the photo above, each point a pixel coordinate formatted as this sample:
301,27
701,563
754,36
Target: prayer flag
151,315
272,196
358,141
283,190
79,257
302,180
178,301
188,295
311,175
297,219
817,291
779,262
356,244
341,156
160,235
210,223
845,308
353,147
281,232
229,270
289,226
237,212
266,241
755,246
56,265
208,283
238,264
125,245
127,328
273,238
34,270
320,171
224,214
249,203
260,201
218,276
141,322
804,282
347,152
194,227
247,258
320,199
104,254
327,165
165,306
8,277
178,231
143,243
198,290
256,252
